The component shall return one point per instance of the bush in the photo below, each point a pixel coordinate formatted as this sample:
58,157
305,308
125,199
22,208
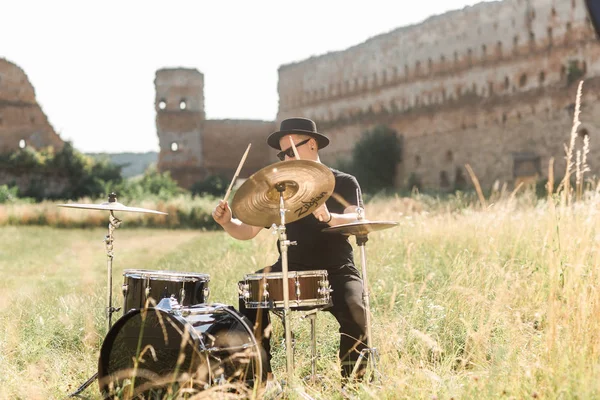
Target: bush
152,185
85,176
374,159
8,194
214,185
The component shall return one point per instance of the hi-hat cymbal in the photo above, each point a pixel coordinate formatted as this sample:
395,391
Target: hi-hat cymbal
360,228
112,206
305,186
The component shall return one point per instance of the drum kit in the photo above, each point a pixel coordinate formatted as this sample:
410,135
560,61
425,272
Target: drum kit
171,339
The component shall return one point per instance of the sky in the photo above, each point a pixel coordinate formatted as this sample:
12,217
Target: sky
92,64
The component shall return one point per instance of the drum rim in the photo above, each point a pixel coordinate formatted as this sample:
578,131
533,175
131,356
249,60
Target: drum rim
291,274
171,276
293,303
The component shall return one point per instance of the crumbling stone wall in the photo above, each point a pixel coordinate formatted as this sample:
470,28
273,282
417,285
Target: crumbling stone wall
191,147
22,121
492,85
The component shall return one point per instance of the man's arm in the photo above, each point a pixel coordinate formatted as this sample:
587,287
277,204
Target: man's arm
234,227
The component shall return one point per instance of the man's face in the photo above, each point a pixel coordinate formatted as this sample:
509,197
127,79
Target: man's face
303,146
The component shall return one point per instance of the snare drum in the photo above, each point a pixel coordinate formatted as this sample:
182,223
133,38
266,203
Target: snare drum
306,289
139,285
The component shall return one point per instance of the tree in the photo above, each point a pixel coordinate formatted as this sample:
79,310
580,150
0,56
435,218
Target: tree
374,159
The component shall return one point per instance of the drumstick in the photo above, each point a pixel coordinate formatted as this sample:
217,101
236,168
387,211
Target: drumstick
294,148
237,172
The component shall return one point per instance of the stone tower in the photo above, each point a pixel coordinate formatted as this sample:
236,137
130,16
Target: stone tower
180,122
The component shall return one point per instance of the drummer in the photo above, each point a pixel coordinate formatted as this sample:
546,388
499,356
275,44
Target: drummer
316,250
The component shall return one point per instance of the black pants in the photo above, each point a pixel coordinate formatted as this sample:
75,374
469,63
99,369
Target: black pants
348,309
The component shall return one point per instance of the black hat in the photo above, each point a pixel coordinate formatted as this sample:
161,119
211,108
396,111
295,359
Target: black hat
299,126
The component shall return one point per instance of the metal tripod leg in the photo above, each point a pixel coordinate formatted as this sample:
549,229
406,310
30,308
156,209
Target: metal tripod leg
312,316
369,352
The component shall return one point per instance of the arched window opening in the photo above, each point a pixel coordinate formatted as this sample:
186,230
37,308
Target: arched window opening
506,83
444,181
449,156
22,144
531,37
542,77
418,160
162,104
182,104
484,50
553,12
174,146
523,80
550,34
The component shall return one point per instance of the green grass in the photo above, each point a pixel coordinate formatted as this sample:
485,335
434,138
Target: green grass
467,303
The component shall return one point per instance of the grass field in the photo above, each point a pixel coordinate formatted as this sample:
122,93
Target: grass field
467,303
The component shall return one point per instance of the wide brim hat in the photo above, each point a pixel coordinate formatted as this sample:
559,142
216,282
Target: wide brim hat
298,126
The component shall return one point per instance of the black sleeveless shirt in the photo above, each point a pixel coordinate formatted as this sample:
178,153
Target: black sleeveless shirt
321,250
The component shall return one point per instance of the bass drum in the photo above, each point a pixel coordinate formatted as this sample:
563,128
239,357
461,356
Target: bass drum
158,351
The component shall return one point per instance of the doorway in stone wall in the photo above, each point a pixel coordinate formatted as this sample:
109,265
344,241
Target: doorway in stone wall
527,168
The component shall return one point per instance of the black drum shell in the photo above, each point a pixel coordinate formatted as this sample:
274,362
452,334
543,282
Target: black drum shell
163,284
216,332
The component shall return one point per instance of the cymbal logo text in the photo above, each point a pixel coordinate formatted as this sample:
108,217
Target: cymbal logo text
307,205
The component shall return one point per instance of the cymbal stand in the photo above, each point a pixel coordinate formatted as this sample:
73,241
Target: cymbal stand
113,223
369,352
284,243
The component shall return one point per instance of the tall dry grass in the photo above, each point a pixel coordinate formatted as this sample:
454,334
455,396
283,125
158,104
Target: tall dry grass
468,302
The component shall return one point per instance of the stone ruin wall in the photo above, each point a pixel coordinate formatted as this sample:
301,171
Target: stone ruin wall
191,147
22,121
21,117
487,85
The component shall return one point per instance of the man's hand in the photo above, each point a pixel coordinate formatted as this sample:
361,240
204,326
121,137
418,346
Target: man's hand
322,213
222,213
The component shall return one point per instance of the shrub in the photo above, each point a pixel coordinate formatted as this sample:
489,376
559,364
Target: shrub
374,159
8,194
214,185
152,185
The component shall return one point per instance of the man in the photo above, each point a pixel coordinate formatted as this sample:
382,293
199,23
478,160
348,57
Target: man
316,250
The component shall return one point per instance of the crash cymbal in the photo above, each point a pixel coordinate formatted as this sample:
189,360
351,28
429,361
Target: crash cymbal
360,228
305,186
112,206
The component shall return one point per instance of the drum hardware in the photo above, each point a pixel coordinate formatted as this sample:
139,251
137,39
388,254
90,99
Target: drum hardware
312,317
284,191
361,228
113,223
